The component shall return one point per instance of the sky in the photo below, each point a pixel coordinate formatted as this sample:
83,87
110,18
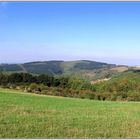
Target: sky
41,31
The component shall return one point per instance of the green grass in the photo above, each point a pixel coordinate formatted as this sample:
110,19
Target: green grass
25,115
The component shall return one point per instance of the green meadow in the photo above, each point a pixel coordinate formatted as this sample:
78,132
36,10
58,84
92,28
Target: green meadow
26,115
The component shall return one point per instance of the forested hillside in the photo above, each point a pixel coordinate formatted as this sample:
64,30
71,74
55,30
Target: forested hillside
89,70
123,86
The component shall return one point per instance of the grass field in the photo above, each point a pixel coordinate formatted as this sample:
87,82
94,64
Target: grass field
24,115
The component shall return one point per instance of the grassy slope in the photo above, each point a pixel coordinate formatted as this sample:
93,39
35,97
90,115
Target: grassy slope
33,116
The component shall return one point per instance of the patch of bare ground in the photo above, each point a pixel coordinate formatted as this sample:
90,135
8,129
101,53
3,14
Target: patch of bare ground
99,80
120,68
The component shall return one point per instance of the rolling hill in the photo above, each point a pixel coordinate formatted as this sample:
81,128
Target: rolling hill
89,70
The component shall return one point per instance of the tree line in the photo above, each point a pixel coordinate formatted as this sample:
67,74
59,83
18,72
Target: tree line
126,87
47,80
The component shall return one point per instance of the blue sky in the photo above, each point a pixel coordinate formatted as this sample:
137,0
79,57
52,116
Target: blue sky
99,31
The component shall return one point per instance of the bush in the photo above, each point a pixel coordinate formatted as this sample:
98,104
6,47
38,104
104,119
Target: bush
34,88
44,92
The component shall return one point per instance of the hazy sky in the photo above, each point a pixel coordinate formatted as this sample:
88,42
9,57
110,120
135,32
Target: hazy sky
100,31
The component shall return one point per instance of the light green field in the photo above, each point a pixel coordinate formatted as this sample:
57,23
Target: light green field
24,115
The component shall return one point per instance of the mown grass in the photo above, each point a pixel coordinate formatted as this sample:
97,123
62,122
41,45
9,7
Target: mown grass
24,115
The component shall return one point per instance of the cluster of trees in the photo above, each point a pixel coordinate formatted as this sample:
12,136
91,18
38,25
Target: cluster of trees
47,80
124,87
48,85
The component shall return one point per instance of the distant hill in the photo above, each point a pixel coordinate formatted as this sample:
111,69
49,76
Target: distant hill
85,69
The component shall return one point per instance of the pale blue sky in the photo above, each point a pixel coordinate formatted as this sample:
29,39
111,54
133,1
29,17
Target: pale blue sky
99,31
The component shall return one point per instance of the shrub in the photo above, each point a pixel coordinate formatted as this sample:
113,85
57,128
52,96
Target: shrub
34,88
44,92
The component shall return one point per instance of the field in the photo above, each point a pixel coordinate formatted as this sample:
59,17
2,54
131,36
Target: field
25,115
